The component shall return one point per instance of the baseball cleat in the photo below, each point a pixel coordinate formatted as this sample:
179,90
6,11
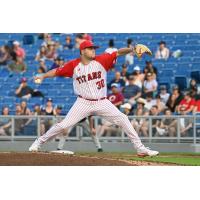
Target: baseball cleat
100,150
35,146
144,151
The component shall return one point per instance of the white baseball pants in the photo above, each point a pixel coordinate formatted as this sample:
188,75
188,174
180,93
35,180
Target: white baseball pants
83,108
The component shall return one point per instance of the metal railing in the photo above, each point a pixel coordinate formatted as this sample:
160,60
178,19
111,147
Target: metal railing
30,127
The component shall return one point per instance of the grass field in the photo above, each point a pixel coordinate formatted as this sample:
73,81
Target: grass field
184,159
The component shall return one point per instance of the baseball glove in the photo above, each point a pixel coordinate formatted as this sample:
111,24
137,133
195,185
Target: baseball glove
141,49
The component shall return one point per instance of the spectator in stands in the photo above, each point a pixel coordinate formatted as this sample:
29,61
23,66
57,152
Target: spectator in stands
78,40
149,68
185,123
127,109
124,73
26,92
139,76
141,105
163,51
24,109
19,122
131,92
17,65
68,43
49,109
188,103
36,110
51,53
129,58
150,85
42,65
116,96
118,80
140,124
47,39
58,62
5,123
168,126
41,54
20,52
86,36
111,47
155,122
161,106
193,88
149,102
197,106
4,55
174,99
164,95
58,111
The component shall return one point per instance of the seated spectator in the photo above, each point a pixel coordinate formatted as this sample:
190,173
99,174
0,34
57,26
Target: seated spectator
5,123
149,68
47,39
131,92
58,62
149,102
124,73
187,104
41,54
197,106
19,122
168,126
51,53
185,123
155,121
58,111
118,80
163,51
26,92
17,65
49,109
150,85
193,88
129,58
161,106
4,55
141,105
24,109
111,47
42,65
163,94
127,109
86,36
139,76
36,110
115,97
140,124
68,43
18,50
78,40
174,99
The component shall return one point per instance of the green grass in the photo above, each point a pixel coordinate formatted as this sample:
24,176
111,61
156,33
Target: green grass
186,159
180,160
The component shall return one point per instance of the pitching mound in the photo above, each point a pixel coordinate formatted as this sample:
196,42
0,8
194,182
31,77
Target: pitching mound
53,159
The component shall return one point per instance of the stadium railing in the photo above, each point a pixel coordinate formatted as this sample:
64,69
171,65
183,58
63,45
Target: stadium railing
30,127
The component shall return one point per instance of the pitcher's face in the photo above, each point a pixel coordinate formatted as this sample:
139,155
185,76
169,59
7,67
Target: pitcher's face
89,53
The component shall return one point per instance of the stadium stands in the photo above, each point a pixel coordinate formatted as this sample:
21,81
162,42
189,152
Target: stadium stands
173,71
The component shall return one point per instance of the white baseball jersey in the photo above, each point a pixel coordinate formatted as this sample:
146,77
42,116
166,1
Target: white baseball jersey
89,81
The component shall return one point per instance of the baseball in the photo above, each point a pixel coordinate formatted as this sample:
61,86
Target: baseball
38,81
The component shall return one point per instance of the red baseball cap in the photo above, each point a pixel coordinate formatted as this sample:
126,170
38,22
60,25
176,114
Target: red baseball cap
86,44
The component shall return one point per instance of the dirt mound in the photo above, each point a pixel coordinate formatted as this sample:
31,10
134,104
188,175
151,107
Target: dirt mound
52,159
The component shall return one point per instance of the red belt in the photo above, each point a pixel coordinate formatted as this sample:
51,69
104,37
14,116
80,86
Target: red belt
92,99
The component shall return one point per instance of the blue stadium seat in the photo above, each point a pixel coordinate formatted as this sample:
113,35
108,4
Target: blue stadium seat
181,81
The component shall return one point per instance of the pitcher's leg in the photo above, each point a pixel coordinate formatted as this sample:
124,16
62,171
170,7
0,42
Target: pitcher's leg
112,114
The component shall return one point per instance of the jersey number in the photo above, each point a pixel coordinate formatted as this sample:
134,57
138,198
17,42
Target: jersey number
100,84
